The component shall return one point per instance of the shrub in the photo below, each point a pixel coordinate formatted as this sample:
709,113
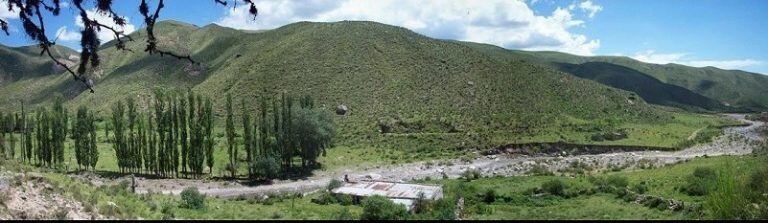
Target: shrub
119,188
334,184
344,199
61,213
758,180
697,183
640,188
489,196
653,202
705,173
482,209
267,168
554,187
325,198
609,184
342,214
578,167
192,199
381,208
421,204
276,215
628,197
618,181
167,212
540,170
470,175
443,209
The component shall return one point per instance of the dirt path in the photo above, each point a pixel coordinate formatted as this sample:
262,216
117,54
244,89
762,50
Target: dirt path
735,141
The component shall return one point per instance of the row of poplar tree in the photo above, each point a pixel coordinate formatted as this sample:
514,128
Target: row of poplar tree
175,137
50,129
273,141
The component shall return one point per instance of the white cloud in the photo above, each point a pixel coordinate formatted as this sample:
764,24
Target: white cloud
726,64
6,14
106,35
65,35
590,7
651,56
506,23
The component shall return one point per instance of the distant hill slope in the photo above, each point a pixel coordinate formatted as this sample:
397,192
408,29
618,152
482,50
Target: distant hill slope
740,90
19,62
646,86
380,72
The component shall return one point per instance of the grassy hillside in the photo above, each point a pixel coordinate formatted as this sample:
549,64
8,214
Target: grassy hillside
22,65
737,89
431,92
646,86
20,62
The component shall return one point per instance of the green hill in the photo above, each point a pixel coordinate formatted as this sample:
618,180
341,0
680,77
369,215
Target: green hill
739,90
17,62
646,86
445,93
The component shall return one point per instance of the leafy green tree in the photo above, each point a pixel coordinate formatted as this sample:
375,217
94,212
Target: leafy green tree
231,147
150,157
264,128
59,128
313,133
197,137
120,141
132,142
79,137
41,136
192,199
175,135
11,122
183,132
266,168
93,151
248,138
84,133
140,142
209,140
27,155
287,142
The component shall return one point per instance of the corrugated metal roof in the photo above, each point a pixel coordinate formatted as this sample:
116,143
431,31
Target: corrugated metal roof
390,190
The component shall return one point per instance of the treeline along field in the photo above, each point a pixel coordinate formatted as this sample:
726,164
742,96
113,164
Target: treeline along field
175,137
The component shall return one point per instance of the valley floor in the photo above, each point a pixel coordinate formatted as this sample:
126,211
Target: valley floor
735,141
93,196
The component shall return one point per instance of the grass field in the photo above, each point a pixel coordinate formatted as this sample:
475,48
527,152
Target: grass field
663,181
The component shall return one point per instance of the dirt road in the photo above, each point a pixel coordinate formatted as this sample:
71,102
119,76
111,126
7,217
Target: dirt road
735,141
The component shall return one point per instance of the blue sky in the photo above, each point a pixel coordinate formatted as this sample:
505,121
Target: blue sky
729,34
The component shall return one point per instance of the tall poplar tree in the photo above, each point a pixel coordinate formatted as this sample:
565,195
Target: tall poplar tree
248,138
231,147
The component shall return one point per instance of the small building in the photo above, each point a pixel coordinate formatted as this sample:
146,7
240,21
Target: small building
400,193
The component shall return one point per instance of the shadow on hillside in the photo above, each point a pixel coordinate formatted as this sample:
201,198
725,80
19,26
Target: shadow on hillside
646,86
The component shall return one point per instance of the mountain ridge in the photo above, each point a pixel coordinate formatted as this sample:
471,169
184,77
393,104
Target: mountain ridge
731,98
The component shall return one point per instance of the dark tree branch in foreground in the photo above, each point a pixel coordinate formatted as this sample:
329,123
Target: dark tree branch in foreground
30,10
